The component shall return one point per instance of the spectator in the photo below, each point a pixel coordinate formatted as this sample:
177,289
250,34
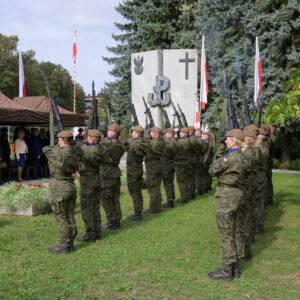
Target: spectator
35,151
4,146
21,150
43,161
80,135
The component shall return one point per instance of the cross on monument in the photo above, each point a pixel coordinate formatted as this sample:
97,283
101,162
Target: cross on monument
186,60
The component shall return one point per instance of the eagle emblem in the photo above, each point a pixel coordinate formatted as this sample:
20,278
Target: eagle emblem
138,62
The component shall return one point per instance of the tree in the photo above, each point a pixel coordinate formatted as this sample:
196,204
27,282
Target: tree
285,112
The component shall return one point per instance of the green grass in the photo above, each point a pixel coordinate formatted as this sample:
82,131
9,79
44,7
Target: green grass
166,256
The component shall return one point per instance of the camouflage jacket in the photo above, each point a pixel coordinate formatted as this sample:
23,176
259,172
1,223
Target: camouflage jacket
62,163
136,150
197,149
92,157
183,151
155,150
114,150
169,150
230,168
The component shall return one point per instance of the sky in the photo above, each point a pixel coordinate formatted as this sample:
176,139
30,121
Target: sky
47,27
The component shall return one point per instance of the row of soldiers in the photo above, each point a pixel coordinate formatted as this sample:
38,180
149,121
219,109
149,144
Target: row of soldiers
97,162
243,167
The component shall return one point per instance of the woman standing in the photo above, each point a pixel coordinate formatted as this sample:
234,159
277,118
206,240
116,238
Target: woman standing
21,150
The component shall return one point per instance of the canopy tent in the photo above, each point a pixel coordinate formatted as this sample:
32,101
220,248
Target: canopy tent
43,104
12,113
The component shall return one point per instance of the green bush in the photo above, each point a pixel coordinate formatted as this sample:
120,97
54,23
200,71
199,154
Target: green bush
15,196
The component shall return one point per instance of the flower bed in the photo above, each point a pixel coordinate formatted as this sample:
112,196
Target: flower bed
19,199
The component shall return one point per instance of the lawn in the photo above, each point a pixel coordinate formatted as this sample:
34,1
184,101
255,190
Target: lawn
166,256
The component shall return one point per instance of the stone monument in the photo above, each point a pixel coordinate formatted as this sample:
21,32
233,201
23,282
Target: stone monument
161,76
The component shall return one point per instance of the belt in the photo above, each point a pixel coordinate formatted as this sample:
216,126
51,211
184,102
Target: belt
220,184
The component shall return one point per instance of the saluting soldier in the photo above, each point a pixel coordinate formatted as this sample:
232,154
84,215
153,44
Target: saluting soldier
182,164
90,186
136,150
110,174
229,170
193,163
261,179
155,150
63,161
200,147
168,166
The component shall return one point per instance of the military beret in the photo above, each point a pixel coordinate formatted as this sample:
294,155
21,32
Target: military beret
115,127
185,129
191,128
251,127
65,134
250,133
198,129
156,129
266,127
138,128
94,133
263,131
170,130
236,133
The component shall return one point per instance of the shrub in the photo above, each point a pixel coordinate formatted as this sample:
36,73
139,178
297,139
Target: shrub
15,196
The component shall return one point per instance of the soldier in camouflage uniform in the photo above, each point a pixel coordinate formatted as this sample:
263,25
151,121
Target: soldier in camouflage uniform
270,143
63,161
155,150
110,174
90,186
136,150
208,158
201,149
182,165
229,170
168,166
261,179
195,149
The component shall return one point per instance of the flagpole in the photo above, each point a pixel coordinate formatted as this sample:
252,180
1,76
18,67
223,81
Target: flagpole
74,60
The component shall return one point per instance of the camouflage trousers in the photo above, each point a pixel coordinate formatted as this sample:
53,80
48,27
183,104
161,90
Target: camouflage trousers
198,173
183,177
110,195
135,185
228,218
206,178
168,175
153,179
63,207
269,188
260,198
90,204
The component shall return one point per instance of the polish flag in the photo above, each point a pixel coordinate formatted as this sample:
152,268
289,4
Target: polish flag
203,87
257,78
22,88
74,48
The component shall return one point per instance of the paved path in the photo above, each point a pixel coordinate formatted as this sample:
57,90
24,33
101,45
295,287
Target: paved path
284,171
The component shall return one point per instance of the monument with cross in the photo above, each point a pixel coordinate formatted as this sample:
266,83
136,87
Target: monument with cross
161,76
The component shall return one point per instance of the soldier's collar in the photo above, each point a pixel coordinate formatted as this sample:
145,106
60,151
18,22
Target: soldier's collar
232,150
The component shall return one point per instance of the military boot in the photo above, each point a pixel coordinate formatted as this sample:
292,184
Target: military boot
61,249
169,204
236,270
181,201
86,238
135,217
259,229
221,274
152,211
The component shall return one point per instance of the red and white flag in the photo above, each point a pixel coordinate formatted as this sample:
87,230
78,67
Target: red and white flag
203,87
22,88
74,48
257,78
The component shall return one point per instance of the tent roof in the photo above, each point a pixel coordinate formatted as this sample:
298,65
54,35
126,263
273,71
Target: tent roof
15,113
43,104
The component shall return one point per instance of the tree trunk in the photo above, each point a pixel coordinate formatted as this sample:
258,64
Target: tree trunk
287,140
